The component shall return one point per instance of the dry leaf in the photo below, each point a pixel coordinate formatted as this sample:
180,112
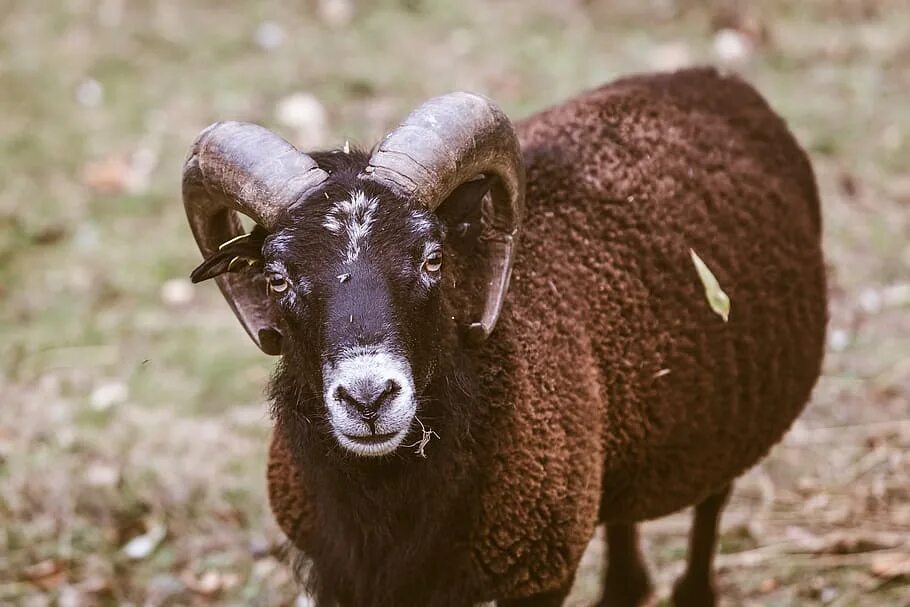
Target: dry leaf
47,575
143,545
717,299
121,173
208,584
108,176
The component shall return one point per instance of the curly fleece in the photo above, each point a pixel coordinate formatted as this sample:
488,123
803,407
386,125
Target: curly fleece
615,393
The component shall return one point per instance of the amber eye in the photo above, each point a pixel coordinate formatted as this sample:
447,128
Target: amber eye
433,262
277,283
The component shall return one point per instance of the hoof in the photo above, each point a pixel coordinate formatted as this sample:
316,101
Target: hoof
693,594
629,592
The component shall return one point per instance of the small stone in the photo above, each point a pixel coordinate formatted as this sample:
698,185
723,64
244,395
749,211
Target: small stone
177,292
89,93
108,394
269,35
733,47
838,340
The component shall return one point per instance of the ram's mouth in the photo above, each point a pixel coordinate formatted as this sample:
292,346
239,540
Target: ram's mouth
371,445
373,439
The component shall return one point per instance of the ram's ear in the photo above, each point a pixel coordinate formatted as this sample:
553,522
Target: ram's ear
234,255
464,204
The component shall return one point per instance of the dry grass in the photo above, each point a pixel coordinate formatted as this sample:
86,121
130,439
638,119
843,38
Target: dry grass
130,404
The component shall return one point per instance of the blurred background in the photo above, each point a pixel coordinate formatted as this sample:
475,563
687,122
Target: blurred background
133,425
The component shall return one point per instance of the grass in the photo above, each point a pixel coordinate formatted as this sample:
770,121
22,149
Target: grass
127,403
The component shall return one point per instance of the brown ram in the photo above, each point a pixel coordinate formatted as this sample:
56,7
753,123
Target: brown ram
422,458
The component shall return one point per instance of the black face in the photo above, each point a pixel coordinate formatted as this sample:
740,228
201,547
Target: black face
361,279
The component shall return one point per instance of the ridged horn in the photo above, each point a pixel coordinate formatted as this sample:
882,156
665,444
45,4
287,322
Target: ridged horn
445,142
240,167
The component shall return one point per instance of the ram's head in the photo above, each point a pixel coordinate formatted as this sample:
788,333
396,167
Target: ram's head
360,267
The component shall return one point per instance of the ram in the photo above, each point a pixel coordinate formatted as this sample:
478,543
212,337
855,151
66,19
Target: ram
422,458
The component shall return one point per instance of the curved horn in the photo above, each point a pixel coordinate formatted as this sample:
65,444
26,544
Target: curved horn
239,167
440,145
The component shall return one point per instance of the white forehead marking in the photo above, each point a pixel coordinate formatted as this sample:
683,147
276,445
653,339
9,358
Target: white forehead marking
332,225
353,218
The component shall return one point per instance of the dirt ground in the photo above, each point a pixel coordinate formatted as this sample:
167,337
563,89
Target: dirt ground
132,419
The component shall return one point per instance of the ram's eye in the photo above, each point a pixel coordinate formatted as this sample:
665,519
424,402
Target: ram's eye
277,283
433,262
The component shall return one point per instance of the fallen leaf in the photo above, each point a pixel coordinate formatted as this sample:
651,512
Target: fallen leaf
47,575
120,173
143,545
207,584
717,299
108,176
